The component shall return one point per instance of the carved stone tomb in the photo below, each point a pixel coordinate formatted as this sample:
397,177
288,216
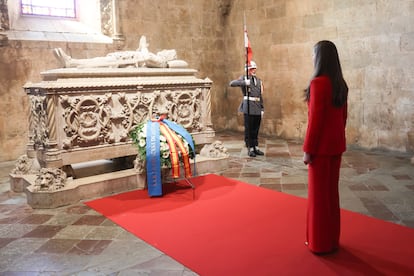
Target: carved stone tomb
82,115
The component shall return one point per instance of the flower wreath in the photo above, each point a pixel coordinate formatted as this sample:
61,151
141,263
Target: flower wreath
163,144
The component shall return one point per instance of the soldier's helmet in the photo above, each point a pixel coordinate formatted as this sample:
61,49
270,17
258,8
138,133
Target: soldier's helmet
252,65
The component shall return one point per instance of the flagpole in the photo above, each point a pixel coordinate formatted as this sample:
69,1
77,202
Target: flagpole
246,88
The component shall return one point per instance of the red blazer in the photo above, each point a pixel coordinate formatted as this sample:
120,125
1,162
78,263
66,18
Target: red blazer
325,134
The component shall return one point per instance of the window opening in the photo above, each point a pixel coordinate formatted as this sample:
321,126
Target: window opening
57,8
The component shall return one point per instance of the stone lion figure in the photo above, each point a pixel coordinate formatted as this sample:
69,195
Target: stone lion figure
49,179
24,165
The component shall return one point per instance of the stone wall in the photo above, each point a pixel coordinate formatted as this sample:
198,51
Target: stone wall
375,39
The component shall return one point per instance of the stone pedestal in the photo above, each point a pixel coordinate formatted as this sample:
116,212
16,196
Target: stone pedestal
100,185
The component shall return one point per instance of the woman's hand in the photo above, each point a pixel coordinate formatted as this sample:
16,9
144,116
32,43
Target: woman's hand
307,158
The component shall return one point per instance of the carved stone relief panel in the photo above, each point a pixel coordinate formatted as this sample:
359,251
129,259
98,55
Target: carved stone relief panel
107,17
106,119
38,127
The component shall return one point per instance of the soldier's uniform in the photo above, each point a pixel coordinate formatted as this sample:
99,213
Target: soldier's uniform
252,108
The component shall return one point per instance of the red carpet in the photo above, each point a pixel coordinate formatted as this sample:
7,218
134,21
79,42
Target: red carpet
234,228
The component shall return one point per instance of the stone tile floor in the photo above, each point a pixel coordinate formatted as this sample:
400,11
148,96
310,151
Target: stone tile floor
76,240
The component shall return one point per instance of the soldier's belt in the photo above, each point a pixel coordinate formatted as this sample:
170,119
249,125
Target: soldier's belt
254,99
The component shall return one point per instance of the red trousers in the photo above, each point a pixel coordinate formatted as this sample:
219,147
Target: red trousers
323,214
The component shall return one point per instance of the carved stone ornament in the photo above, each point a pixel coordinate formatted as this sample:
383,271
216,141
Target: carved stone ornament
49,179
214,150
4,16
87,120
24,165
38,121
139,165
107,17
107,119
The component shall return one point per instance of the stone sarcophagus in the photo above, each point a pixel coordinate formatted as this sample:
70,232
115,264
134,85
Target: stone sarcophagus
85,111
79,115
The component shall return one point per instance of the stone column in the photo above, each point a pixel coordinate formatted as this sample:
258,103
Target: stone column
117,35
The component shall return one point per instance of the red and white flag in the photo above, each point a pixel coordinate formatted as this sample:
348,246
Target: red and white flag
249,52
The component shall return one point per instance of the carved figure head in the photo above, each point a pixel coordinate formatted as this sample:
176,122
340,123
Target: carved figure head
49,179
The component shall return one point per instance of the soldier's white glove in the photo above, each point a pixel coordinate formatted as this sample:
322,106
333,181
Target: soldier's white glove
262,113
247,82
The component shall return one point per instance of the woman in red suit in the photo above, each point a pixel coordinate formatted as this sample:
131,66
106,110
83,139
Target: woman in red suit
323,146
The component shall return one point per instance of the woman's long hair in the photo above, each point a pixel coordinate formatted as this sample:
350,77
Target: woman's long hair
326,62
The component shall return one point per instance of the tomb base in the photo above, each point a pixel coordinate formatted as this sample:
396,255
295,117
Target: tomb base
103,184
